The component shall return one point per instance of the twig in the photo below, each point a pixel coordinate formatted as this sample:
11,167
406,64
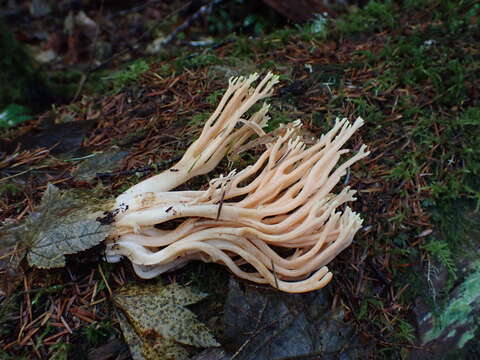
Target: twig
220,205
205,9
257,331
274,274
105,280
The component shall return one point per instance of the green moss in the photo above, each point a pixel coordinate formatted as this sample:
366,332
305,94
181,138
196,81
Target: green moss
99,332
442,252
196,60
215,97
199,119
128,76
60,351
278,117
375,16
428,60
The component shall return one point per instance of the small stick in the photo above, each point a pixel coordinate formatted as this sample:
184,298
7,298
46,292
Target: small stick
205,9
274,274
281,158
220,205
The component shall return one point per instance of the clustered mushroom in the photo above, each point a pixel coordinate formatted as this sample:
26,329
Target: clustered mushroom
275,222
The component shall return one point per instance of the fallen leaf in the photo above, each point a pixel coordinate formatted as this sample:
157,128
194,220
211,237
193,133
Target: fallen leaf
103,162
146,347
158,322
63,138
265,324
62,225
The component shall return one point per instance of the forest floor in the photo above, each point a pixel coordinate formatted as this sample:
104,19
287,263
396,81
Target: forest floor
412,72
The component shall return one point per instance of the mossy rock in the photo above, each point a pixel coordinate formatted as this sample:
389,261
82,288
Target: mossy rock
451,327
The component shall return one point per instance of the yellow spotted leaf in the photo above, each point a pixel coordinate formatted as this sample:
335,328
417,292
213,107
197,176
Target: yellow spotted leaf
158,321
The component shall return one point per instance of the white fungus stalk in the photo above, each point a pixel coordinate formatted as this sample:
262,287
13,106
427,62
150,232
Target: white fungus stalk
279,215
